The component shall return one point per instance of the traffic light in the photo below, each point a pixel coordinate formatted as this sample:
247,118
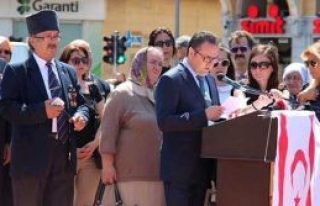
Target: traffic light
121,49
109,49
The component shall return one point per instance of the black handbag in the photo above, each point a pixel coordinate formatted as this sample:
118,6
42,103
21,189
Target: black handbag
100,192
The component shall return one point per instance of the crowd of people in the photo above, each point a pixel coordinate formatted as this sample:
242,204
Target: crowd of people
64,130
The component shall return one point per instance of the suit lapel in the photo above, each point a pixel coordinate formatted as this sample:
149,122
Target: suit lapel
191,83
34,74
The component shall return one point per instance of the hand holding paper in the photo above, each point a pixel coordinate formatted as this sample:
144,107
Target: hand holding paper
232,104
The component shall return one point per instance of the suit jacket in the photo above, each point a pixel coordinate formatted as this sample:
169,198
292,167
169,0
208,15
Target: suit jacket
22,103
180,109
3,123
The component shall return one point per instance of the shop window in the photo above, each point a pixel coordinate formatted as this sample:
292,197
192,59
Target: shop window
318,8
283,7
262,6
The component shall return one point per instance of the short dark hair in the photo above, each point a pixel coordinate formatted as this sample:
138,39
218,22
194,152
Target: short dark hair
236,35
200,37
153,35
69,49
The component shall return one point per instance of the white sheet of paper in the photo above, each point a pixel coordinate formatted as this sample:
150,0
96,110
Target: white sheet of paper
232,104
57,102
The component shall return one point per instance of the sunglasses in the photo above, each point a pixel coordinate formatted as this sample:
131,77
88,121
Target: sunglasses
77,60
261,65
241,48
223,63
310,63
168,43
5,51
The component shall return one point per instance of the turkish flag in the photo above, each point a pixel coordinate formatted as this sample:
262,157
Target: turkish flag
294,170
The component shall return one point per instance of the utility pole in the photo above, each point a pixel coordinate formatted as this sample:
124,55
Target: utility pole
177,18
116,36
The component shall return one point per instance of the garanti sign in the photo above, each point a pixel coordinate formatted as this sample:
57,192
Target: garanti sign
26,6
271,25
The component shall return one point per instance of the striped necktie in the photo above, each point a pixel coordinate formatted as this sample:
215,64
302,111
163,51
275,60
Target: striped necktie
56,91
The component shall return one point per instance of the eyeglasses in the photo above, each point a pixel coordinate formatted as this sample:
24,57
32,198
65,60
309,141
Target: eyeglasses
310,63
241,48
78,60
168,43
48,38
223,63
262,65
207,59
5,51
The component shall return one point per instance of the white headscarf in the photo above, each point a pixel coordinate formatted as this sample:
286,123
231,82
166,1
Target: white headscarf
298,67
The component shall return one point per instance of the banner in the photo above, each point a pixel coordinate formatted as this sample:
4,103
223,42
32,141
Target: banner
296,177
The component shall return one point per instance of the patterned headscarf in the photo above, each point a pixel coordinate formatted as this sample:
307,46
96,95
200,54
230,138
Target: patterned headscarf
138,71
139,74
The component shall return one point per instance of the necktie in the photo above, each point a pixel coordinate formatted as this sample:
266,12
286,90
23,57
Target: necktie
56,90
203,90
201,85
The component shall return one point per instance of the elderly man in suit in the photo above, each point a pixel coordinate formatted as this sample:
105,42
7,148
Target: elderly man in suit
41,100
186,99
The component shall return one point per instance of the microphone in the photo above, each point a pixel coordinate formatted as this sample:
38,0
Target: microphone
236,85
225,79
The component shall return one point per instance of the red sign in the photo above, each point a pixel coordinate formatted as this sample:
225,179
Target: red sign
316,26
257,26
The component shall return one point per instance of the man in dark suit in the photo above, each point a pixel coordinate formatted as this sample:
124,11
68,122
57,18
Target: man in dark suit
5,180
41,100
186,99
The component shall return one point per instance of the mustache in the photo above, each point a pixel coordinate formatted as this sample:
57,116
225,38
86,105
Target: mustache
239,56
53,46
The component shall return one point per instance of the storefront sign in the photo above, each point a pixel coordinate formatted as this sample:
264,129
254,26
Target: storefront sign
37,5
316,26
66,9
271,25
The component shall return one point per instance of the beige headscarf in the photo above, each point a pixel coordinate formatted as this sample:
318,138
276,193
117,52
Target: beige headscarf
138,75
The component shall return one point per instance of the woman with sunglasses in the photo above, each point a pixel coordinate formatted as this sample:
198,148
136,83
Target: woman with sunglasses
224,66
263,76
163,38
5,49
311,57
5,154
88,169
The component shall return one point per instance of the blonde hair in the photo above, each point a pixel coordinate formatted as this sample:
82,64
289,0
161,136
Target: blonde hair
7,41
314,49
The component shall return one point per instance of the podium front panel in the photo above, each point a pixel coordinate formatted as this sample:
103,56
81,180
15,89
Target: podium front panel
249,137
243,183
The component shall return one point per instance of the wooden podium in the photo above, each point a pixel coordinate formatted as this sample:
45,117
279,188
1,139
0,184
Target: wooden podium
244,147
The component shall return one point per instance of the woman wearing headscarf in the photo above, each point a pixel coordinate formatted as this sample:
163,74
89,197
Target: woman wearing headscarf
5,180
130,137
295,78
